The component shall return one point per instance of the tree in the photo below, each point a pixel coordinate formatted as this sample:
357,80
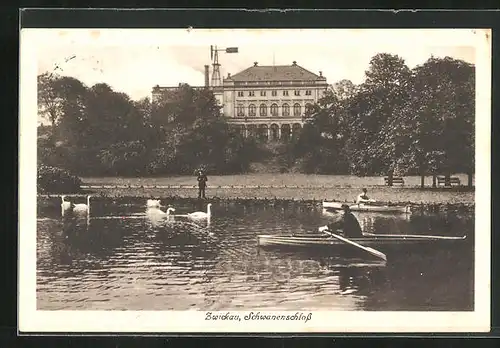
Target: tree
442,118
321,144
57,96
189,122
98,120
344,89
49,99
373,111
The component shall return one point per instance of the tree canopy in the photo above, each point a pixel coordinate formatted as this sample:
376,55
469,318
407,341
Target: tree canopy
99,131
407,121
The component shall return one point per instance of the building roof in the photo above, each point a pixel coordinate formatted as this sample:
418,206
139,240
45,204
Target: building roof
292,72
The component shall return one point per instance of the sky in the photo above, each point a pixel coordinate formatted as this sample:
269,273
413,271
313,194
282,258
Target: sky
133,61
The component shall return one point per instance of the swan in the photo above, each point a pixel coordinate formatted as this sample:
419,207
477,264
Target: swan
82,208
158,211
201,214
65,205
157,216
153,203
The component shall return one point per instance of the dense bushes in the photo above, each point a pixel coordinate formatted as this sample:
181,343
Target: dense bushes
56,180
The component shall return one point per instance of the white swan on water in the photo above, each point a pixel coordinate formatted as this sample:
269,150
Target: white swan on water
153,203
200,214
153,211
82,208
157,216
65,205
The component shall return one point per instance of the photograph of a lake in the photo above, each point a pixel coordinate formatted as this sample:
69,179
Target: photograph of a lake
125,259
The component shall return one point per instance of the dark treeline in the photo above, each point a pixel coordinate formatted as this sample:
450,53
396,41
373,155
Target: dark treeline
97,131
399,121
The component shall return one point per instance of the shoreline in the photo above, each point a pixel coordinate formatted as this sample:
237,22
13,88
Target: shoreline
438,200
403,195
269,179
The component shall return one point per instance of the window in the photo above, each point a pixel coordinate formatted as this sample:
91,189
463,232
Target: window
240,94
251,110
297,92
285,93
274,93
262,93
296,110
274,110
286,110
240,110
308,92
251,94
263,110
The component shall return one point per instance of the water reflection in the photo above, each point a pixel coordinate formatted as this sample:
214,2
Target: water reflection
126,257
362,281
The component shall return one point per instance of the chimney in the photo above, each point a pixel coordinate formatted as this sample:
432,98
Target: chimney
294,62
320,74
206,76
228,75
255,63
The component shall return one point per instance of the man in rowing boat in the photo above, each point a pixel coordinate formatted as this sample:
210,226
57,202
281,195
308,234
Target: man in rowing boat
363,198
348,224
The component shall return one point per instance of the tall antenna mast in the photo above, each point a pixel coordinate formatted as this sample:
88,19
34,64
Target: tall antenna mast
214,56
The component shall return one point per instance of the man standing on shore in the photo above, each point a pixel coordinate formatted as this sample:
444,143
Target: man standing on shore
202,183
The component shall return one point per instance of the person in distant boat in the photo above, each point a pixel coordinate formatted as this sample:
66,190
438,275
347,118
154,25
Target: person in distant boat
363,198
202,183
348,224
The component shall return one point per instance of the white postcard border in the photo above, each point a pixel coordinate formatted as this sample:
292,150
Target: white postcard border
33,320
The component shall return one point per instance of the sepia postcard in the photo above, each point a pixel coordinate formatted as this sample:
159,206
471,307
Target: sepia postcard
254,180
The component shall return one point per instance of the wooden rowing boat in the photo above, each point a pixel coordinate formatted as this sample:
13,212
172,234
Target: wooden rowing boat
363,207
384,242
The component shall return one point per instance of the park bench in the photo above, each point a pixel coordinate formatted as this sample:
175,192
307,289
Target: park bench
395,180
453,180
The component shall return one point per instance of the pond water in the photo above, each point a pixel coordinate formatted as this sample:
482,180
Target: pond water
123,258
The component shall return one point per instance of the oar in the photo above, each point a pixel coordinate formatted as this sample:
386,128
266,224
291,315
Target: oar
347,241
414,236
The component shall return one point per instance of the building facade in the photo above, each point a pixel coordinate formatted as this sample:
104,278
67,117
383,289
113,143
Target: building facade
269,102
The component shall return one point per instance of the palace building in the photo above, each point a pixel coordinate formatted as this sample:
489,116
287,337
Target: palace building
265,101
